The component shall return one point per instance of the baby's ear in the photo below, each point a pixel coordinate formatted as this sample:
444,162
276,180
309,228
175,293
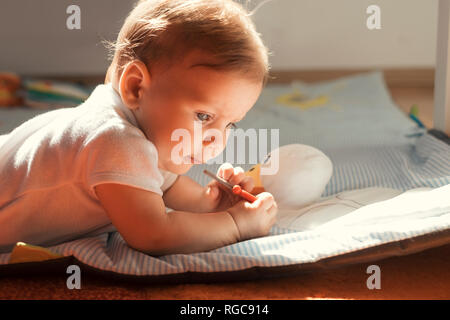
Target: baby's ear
133,82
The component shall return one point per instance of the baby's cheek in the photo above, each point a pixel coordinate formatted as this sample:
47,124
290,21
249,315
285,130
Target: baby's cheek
212,151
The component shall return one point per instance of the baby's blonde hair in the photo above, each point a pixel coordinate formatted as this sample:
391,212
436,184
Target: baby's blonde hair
165,31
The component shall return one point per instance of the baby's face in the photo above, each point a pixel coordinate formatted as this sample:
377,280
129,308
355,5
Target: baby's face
187,97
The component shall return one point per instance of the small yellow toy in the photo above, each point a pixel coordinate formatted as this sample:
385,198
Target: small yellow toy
24,252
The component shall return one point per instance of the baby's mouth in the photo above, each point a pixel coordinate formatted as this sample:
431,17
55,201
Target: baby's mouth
192,160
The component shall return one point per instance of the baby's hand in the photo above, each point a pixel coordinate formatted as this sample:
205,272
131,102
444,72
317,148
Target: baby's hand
254,219
219,198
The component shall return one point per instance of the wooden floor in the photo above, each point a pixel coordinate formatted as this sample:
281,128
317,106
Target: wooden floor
424,275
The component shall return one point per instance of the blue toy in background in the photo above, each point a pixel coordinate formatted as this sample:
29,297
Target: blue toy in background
414,114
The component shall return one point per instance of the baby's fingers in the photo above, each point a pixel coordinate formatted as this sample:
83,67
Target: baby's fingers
237,176
225,171
263,201
233,175
247,184
273,210
212,191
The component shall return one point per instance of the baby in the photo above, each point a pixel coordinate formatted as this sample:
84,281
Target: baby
111,164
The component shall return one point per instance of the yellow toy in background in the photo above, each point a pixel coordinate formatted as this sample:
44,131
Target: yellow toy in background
299,100
10,84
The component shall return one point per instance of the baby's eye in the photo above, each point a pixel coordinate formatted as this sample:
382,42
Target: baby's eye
203,116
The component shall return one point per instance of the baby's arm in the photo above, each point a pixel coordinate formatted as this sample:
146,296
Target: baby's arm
140,218
186,195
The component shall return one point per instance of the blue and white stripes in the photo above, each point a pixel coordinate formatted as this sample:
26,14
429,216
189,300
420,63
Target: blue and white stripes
424,164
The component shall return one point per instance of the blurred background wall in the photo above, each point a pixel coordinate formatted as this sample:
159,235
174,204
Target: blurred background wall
301,34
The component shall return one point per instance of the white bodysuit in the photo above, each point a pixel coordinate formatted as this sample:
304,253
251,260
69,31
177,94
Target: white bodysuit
50,164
